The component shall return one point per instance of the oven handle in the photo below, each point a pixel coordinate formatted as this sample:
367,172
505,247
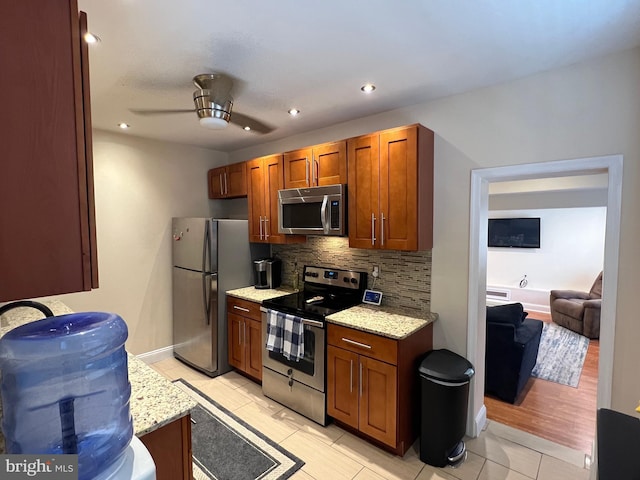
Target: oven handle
305,321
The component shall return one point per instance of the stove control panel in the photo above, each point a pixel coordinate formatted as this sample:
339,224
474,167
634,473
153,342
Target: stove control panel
336,277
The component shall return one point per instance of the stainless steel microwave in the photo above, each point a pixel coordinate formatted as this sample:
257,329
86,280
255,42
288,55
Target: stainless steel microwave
313,211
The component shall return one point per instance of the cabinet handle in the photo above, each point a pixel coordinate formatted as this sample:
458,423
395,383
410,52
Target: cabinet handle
317,171
226,184
351,376
241,308
239,336
357,344
373,229
382,229
360,380
306,170
260,227
266,235
244,332
221,186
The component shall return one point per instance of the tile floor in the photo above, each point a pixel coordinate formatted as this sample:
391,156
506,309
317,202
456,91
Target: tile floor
332,453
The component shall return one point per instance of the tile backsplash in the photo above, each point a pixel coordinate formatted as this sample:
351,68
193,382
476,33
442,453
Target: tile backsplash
405,277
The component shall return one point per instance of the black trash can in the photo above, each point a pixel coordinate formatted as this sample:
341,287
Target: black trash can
444,385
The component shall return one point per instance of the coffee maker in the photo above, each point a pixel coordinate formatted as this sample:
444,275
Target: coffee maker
268,273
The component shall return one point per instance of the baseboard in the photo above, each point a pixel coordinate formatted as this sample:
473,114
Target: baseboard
480,421
156,355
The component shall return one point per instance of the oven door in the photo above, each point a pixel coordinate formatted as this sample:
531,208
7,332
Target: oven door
310,369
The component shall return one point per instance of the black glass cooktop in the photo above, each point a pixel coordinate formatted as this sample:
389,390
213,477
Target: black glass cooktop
311,305
326,291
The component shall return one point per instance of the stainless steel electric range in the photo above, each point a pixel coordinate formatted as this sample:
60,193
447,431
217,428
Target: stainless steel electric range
301,385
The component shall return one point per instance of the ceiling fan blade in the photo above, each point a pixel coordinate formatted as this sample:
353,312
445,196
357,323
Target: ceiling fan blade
246,121
159,111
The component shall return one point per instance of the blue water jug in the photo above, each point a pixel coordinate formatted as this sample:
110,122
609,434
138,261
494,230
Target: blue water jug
65,389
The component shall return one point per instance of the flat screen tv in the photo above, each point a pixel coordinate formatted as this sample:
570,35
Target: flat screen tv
514,232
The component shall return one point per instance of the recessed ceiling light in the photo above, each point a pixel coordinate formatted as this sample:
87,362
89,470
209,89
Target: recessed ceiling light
368,87
247,128
123,125
294,112
91,38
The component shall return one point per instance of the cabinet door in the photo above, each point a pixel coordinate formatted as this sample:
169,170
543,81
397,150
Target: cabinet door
235,342
378,403
170,448
342,385
297,168
399,189
329,165
256,197
273,182
253,349
47,243
216,182
363,180
236,180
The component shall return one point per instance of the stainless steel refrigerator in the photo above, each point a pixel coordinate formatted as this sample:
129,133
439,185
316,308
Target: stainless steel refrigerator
210,256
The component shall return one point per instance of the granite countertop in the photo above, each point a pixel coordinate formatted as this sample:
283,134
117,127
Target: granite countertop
385,321
254,294
155,401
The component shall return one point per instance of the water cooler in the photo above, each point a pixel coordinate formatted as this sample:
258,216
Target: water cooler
65,390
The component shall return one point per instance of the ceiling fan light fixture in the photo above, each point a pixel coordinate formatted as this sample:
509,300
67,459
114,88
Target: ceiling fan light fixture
213,123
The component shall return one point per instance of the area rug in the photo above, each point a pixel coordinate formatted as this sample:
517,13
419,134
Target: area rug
561,355
227,448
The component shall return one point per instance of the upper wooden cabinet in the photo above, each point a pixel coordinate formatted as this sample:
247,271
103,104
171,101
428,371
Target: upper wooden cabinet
390,188
264,179
229,181
320,165
47,238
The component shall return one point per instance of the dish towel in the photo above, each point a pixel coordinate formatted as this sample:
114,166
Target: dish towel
285,335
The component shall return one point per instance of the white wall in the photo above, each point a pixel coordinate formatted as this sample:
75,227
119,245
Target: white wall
580,111
570,256
139,186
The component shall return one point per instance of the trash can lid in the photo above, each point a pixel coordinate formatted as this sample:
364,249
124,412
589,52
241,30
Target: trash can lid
446,366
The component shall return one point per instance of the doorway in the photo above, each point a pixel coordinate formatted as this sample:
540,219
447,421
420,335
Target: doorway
479,207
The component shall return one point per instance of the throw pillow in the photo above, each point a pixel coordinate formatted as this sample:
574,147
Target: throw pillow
512,313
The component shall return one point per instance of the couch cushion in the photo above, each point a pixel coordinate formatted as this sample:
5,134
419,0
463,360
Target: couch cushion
572,307
512,313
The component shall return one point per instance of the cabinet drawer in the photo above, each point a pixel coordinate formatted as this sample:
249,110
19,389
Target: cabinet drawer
364,343
244,308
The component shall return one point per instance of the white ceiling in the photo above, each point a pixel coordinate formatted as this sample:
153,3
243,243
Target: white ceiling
315,55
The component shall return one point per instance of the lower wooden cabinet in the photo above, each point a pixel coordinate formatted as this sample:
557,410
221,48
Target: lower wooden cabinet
170,447
245,336
362,393
372,384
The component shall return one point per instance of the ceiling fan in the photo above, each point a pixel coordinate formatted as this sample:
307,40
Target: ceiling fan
214,104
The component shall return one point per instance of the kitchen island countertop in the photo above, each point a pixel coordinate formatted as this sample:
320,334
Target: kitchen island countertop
384,321
155,401
254,294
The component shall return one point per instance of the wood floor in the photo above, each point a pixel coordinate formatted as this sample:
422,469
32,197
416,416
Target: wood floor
559,413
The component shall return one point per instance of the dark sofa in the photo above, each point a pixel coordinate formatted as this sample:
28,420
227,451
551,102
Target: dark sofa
511,350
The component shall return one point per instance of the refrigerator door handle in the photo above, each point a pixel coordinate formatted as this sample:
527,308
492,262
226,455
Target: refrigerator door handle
207,293
206,248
